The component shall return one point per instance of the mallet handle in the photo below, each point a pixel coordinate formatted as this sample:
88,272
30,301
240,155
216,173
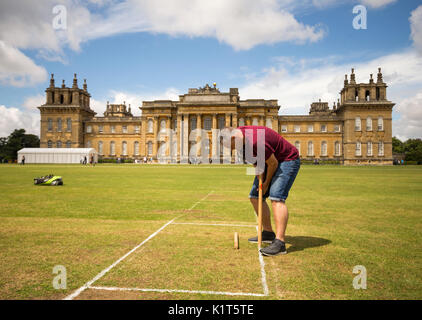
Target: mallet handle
260,212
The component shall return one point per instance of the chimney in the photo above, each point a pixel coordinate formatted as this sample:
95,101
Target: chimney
75,82
52,81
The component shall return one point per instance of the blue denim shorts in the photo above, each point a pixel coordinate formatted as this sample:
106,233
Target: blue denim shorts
281,182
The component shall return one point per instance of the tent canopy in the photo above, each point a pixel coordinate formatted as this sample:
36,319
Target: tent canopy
56,155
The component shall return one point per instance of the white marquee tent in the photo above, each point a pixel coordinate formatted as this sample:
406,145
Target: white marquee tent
56,155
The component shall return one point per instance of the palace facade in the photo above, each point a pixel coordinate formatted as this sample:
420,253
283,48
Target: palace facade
356,130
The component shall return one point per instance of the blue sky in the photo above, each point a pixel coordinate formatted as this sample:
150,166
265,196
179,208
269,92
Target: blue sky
134,50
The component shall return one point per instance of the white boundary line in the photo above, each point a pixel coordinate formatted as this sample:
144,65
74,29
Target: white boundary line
181,291
102,273
216,224
88,285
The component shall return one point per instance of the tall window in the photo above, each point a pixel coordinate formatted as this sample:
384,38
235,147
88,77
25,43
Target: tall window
311,128
59,144
59,124
297,145
337,128
112,148
136,148
207,123
255,121
124,129
358,126
68,144
369,149
310,148
137,129
88,129
380,124
297,129
163,125
381,148
68,124
358,148
50,144
100,129
369,124
88,144
150,126
323,148
50,124
193,123
221,122
323,128
112,129
269,123
283,128
149,148
337,149
241,122
124,148
100,147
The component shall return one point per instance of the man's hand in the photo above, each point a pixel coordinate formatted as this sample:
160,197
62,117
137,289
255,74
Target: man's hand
272,165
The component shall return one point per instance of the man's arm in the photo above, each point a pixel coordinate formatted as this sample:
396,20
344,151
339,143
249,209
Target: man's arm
272,164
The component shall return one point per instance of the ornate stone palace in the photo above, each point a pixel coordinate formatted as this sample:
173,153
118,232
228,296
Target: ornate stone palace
356,130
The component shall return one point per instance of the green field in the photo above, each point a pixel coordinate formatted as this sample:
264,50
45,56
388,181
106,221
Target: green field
340,217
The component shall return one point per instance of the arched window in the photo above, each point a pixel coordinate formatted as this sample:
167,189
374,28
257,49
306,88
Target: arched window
367,95
380,124
59,144
50,144
150,148
369,149
88,144
378,93
337,149
358,126
358,148
68,144
356,95
100,147
150,126
297,145
61,99
241,122
136,148
324,148
369,124
310,148
124,148
163,125
112,148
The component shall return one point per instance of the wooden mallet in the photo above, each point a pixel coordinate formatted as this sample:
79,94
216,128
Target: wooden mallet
260,212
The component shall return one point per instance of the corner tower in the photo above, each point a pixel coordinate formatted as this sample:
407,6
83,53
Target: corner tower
367,119
63,115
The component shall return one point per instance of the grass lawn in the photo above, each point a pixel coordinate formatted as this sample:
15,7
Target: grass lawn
340,217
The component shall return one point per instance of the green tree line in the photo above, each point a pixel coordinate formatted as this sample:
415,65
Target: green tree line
412,148
18,139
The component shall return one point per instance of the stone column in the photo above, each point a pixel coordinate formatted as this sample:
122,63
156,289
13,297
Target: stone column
261,121
227,115
234,120
214,137
199,135
179,136
155,141
186,136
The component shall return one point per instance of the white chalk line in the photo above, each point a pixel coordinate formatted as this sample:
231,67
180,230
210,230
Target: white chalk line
216,224
263,274
179,291
106,270
195,204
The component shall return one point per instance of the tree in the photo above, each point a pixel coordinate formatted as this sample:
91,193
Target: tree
398,146
413,150
17,140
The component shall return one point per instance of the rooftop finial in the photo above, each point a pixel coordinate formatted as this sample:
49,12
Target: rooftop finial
63,84
85,85
379,76
52,81
352,76
75,81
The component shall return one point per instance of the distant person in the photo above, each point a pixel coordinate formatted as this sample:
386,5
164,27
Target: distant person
85,160
92,161
402,161
145,159
23,160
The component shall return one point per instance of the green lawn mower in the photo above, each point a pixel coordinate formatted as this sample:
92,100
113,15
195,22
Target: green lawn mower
49,180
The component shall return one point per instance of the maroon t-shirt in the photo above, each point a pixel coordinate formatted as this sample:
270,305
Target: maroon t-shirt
274,144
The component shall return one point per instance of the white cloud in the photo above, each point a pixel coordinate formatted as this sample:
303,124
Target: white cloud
416,28
17,69
410,123
377,3
31,103
13,118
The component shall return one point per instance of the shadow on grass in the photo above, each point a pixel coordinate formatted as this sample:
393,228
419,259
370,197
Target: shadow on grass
300,243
